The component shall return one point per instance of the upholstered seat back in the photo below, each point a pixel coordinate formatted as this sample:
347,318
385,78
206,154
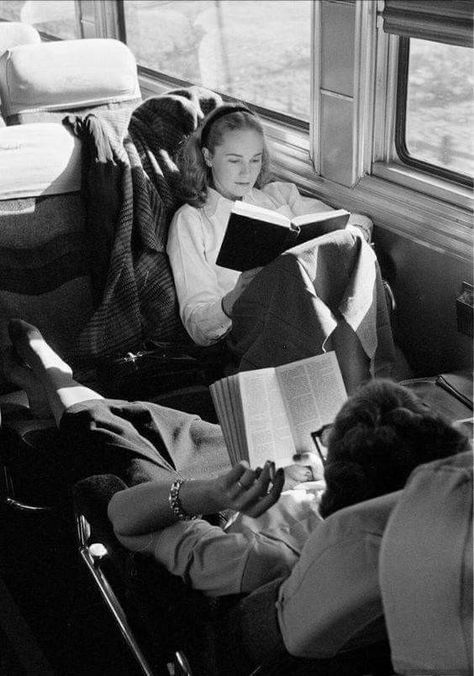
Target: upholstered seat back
44,260
426,570
44,274
13,33
45,81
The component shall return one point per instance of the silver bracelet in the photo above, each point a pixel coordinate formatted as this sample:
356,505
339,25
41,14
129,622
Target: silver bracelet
175,502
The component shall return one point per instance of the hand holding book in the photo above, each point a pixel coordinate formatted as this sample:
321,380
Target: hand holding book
251,491
255,236
242,283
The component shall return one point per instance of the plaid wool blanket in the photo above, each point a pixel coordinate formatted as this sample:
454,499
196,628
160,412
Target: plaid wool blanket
130,186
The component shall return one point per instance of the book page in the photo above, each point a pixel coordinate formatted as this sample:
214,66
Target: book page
266,422
238,425
338,215
229,415
260,213
313,391
234,420
229,412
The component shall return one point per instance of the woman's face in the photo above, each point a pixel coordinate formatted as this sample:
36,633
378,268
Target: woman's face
236,162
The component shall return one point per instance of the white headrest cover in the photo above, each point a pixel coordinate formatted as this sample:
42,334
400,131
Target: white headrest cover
14,33
38,159
66,75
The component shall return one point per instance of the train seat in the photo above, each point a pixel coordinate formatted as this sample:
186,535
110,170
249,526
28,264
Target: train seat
43,82
45,274
426,571
43,261
12,34
64,82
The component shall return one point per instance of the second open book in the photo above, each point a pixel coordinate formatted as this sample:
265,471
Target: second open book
269,414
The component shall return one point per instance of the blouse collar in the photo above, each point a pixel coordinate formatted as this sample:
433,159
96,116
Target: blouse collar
215,200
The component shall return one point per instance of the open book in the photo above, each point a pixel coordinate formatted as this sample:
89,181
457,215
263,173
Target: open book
270,413
255,236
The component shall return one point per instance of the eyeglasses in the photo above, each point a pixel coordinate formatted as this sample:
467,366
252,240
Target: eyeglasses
321,440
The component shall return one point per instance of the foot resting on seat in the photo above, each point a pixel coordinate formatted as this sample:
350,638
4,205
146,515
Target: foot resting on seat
46,378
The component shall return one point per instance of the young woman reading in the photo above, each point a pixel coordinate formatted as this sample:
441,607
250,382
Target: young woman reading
224,160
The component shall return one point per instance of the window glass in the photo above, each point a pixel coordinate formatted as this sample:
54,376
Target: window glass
254,50
54,17
439,106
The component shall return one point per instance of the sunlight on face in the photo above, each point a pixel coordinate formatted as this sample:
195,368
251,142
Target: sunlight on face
236,163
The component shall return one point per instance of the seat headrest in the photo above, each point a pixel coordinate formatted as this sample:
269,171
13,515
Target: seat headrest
52,77
13,33
38,159
426,570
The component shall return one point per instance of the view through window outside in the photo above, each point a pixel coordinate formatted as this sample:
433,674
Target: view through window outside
55,17
440,105
257,50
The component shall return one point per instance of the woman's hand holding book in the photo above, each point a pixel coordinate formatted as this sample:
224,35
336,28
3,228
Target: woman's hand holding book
242,283
251,491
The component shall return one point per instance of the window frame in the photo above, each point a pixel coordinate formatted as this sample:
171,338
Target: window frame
385,164
400,124
399,198
151,75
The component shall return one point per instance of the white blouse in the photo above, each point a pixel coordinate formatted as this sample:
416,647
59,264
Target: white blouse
194,240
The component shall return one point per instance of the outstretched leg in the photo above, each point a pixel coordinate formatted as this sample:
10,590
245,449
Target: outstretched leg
138,441
43,371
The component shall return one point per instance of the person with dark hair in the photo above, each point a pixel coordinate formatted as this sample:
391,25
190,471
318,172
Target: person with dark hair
278,549
379,436
227,159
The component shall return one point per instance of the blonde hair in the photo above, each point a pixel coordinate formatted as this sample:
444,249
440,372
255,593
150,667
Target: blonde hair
195,174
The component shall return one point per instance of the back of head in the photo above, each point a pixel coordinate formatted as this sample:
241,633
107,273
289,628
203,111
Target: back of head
379,436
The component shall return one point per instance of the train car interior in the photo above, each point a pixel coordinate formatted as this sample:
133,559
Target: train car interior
366,106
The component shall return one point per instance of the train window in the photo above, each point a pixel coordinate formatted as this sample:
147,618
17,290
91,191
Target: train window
435,79
258,51
434,108
52,18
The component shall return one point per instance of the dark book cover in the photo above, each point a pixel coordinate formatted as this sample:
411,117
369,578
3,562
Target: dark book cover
252,241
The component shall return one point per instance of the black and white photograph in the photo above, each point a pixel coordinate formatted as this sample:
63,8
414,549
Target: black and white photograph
236,337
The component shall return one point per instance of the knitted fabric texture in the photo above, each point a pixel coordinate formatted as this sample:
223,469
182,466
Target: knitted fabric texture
130,183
